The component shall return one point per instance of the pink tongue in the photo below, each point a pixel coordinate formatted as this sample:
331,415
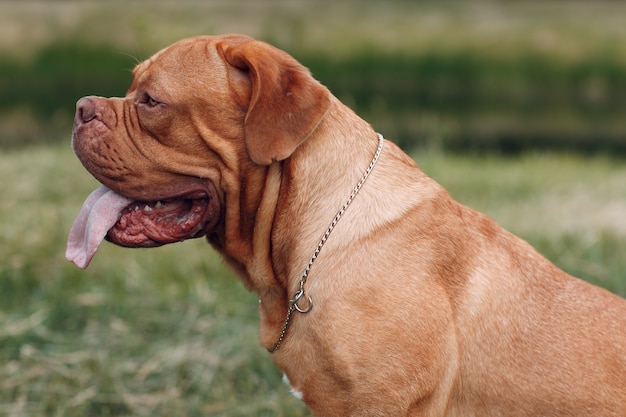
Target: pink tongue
101,210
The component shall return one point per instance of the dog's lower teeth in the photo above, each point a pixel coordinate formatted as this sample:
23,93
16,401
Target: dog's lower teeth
159,204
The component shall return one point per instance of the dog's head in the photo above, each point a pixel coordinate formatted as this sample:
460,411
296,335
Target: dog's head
200,118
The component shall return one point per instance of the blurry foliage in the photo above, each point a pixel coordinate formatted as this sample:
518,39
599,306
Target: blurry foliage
59,72
479,101
495,75
50,84
484,101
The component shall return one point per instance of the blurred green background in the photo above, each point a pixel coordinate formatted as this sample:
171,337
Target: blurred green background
515,107
505,76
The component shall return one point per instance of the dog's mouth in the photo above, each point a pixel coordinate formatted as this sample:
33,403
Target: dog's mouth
130,223
149,224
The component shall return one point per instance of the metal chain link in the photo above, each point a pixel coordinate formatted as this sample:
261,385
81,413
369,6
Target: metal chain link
293,303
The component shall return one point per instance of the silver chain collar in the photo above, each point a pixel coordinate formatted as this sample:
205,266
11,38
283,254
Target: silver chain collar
293,303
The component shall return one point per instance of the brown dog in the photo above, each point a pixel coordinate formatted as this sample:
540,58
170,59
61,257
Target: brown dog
414,306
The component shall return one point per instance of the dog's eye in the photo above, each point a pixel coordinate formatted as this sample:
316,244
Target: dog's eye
151,102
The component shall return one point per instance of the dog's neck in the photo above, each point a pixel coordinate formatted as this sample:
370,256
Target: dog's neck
291,212
339,157
303,217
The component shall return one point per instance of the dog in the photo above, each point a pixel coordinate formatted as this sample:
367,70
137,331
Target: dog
379,294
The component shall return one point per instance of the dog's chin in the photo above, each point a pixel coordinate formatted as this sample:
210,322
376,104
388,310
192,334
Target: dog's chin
154,223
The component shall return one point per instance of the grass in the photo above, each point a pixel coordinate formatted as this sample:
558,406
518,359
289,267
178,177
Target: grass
571,208
170,331
142,333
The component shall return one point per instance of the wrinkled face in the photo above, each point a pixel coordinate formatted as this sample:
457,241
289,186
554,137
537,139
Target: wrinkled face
194,135
167,142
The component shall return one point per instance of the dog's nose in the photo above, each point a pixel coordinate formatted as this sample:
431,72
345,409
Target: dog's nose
86,109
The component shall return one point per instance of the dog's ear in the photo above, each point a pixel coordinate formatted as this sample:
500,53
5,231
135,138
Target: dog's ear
286,102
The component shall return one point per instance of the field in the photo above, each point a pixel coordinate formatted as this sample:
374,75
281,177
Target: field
480,93
170,331
142,333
